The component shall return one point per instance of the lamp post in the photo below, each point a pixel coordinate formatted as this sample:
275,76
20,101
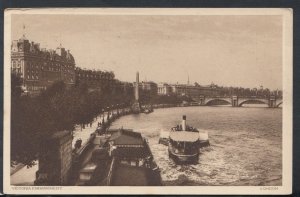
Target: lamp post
118,109
107,113
102,116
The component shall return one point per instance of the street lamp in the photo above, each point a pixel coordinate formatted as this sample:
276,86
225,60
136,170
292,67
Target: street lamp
107,113
117,109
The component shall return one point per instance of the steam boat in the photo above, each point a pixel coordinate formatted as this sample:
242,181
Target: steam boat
184,142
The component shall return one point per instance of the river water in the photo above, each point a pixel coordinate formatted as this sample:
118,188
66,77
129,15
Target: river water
246,144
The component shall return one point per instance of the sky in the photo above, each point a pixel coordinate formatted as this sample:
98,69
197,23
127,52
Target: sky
228,50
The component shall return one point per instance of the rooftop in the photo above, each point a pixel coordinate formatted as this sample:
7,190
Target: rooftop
131,152
126,137
184,136
24,45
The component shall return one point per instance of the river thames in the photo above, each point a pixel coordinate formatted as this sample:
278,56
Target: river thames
246,144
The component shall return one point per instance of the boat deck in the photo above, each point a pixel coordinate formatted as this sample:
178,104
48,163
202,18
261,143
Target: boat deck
123,176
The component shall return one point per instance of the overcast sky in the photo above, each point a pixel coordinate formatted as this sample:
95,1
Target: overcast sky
237,50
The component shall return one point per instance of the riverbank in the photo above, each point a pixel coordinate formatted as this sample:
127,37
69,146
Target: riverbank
104,119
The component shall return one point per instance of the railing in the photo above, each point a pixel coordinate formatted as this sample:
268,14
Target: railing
110,172
252,97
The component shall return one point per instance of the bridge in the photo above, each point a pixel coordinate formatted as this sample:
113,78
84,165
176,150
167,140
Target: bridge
238,101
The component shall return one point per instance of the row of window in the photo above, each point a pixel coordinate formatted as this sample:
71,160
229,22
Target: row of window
16,70
36,77
94,76
16,64
35,88
49,69
52,66
33,77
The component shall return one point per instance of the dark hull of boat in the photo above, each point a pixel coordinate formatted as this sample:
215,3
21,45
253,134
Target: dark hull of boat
165,141
184,158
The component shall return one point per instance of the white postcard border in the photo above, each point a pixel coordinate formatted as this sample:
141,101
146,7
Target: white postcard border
287,128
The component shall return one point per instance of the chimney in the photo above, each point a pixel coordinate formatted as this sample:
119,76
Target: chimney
183,122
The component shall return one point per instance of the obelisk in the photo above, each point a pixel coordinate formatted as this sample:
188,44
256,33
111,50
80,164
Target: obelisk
137,87
136,108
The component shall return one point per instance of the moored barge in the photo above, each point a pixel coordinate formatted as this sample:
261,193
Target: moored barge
120,157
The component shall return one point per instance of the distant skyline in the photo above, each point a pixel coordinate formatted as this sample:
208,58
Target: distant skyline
228,50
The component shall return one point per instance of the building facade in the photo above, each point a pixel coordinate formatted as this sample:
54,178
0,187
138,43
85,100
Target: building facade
101,80
125,87
148,86
193,91
38,67
164,89
95,79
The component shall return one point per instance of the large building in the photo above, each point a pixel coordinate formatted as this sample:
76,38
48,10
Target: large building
193,91
101,80
94,78
164,89
148,86
39,67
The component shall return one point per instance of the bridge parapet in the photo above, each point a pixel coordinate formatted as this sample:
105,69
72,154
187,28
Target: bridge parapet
238,101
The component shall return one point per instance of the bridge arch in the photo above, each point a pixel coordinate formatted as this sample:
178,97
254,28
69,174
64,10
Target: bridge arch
258,101
208,102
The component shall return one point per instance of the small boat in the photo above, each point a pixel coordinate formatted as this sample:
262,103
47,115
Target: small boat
184,142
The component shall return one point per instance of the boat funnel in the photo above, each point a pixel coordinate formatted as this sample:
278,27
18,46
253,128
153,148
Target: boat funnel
184,123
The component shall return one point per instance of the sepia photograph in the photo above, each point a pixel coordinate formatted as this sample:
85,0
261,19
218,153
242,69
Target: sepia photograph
162,101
